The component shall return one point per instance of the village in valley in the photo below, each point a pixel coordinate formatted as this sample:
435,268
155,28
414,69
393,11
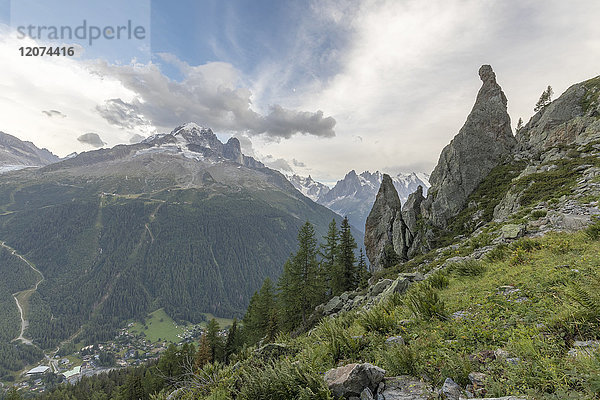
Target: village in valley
133,345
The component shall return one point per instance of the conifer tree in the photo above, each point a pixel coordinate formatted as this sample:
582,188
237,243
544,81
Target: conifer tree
214,340
233,341
300,285
347,278
520,124
545,99
204,353
363,271
329,257
261,314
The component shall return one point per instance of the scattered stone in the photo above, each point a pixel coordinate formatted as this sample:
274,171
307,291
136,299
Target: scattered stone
585,348
380,286
352,379
451,390
405,388
459,315
512,231
394,340
478,380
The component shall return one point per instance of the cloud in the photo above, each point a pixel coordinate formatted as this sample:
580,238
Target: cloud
407,75
53,113
125,115
93,139
211,94
136,138
279,164
298,163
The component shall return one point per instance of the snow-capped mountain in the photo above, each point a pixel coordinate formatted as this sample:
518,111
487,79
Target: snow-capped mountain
308,186
16,154
355,194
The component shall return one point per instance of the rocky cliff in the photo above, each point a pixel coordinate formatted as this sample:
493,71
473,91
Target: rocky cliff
486,173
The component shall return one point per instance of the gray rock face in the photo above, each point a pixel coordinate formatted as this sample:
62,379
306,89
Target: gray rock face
483,142
352,379
405,388
572,118
379,228
451,390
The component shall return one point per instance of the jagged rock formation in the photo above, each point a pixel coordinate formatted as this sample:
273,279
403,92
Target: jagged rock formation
354,195
379,228
555,152
483,142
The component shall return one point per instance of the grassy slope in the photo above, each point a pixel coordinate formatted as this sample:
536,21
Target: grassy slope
536,325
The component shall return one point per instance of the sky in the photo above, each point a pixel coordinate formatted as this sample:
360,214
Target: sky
312,87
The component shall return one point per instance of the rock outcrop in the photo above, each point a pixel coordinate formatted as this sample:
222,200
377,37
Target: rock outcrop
572,118
483,142
381,222
351,380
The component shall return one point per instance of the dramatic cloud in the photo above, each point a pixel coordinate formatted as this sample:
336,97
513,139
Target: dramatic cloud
53,113
117,112
211,94
279,164
93,139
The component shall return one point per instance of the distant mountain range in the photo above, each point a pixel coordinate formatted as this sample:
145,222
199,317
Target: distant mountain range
16,154
179,221
354,195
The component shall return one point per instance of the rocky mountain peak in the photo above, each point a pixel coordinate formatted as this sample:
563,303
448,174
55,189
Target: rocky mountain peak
483,142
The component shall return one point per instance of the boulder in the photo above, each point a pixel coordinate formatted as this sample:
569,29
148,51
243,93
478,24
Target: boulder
512,231
334,305
380,286
352,379
451,390
405,388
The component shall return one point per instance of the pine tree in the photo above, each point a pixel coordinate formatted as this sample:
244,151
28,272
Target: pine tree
329,257
545,99
233,341
348,272
261,314
204,353
214,340
520,124
363,271
300,285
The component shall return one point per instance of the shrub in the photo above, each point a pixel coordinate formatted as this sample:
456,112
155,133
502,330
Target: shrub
593,230
439,280
377,319
424,302
498,253
338,341
400,360
539,214
282,380
468,268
